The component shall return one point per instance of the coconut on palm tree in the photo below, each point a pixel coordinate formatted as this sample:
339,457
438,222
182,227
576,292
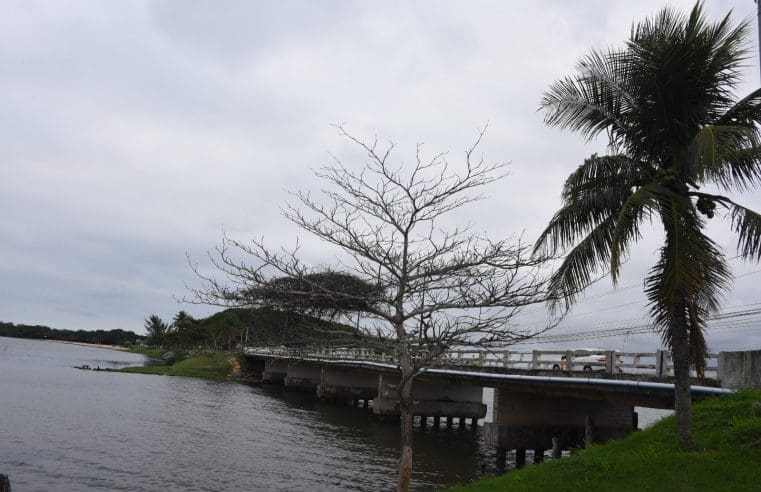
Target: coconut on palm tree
679,141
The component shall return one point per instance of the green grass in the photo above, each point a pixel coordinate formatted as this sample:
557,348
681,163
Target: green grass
208,364
727,456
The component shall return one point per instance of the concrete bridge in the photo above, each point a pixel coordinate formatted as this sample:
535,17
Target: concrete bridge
543,400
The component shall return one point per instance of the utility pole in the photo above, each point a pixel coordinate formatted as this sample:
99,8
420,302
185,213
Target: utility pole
758,28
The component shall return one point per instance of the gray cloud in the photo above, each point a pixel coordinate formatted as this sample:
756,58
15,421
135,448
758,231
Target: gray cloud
134,132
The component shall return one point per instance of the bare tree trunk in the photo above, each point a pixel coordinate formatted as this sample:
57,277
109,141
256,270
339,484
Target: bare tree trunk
405,402
682,394
405,459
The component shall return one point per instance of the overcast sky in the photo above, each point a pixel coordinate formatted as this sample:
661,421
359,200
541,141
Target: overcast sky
134,132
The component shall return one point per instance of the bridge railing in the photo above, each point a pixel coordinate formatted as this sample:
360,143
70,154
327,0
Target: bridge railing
657,363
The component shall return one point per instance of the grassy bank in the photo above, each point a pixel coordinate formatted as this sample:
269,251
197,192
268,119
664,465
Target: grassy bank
207,364
727,434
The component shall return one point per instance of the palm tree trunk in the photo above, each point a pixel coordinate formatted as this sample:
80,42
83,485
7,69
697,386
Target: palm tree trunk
682,394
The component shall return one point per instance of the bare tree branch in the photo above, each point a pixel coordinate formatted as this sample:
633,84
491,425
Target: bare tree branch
407,285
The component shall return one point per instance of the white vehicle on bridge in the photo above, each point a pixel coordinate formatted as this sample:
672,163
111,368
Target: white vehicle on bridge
588,360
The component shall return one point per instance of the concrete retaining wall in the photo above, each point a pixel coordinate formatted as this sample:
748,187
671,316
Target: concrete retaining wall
739,370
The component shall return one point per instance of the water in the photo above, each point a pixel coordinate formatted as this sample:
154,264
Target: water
66,429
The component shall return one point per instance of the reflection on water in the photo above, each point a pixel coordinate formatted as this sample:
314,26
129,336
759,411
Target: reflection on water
66,429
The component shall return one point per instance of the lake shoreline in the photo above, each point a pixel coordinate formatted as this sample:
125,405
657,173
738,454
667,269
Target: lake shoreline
121,348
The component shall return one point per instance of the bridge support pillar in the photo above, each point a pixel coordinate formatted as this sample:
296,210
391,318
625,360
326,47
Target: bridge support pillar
520,458
501,458
432,399
539,421
274,370
538,455
349,383
557,451
302,376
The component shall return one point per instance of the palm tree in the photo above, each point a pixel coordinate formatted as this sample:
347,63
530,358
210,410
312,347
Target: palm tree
182,330
156,330
666,101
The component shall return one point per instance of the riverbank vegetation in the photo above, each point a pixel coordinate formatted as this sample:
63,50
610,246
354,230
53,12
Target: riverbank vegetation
152,352
230,328
206,364
726,456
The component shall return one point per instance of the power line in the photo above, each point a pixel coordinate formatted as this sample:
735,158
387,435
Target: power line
728,319
618,291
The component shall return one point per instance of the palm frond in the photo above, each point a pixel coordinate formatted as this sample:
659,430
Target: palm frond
639,206
745,112
605,172
591,194
729,155
687,284
690,267
747,224
581,264
593,101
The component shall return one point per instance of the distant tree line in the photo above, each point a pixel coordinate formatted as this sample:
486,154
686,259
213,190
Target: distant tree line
106,337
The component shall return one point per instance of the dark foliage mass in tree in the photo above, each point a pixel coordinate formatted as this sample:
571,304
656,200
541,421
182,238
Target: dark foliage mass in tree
412,283
325,294
679,140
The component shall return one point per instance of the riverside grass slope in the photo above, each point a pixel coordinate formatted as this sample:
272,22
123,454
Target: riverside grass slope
207,364
727,456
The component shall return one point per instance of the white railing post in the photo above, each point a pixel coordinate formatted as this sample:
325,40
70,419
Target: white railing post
506,358
660,363
569,360
535,359
610,361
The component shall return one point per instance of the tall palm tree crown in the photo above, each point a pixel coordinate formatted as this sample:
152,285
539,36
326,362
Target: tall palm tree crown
667,103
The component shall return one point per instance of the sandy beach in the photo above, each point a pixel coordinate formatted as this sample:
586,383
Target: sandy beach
97,345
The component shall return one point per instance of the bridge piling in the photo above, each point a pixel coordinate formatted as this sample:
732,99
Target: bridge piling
557,451
538,455
520,458
530,420
303,376
274,370
537,411
501,458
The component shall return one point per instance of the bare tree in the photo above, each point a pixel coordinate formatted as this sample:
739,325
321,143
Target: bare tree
415,286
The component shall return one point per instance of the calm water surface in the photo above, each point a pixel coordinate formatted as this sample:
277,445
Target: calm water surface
66,429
